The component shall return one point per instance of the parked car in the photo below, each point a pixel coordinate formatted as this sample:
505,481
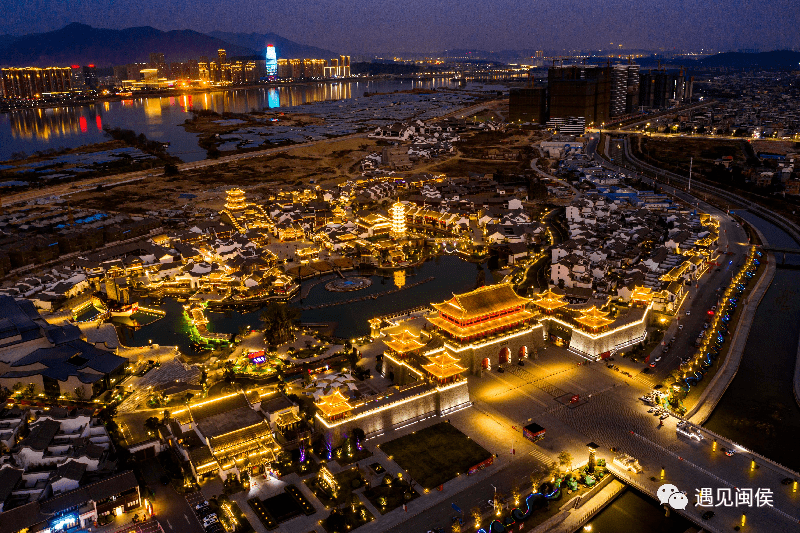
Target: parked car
708,515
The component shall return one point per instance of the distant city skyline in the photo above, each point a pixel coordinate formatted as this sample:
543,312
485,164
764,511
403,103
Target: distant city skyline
376,26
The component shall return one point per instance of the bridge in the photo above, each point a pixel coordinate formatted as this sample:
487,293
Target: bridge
783,251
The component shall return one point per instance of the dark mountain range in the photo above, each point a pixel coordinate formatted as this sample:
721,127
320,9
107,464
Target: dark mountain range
284,47
5,40
777,59
82,44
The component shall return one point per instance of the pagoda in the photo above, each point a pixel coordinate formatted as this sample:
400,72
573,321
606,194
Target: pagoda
549,301
593,319
334,406
443,368
642,296
235,200
403,343
486,311
398,214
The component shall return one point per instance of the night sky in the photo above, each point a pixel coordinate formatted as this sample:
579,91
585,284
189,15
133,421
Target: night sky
371,26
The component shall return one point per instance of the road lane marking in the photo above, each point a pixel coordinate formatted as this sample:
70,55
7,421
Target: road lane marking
168,524
187,519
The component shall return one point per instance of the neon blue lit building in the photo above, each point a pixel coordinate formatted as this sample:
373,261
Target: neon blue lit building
272,62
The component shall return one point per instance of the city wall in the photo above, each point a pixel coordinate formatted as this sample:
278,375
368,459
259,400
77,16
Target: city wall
430,401
473,356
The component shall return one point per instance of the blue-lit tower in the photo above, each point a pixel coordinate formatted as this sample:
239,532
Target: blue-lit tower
272,62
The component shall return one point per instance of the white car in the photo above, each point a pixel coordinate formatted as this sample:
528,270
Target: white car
680,326
688,431
688,313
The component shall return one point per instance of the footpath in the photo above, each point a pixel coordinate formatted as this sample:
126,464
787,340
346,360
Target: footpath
724,376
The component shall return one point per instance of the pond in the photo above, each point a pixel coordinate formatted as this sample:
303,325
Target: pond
451,275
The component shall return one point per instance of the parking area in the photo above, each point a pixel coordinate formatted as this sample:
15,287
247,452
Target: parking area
206,517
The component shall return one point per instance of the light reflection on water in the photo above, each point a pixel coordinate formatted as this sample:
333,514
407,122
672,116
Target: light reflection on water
158,117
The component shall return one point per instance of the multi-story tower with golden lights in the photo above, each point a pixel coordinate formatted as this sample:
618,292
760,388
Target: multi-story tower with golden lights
398,214
235,200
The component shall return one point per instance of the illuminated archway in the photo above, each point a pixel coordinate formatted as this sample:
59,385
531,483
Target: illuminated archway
486,364
523,352
505,355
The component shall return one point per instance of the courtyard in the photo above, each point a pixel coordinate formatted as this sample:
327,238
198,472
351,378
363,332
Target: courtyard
435,454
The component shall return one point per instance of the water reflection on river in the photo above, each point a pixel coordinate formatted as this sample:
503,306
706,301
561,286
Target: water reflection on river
632,512
759,410
31,130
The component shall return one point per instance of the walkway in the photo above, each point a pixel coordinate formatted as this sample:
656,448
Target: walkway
724,376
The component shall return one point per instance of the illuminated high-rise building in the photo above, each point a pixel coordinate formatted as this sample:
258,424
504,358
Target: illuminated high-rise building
32,82
77,79
272,61
223,66
158,62
344,66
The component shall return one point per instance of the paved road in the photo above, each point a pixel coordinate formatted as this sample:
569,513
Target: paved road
171,509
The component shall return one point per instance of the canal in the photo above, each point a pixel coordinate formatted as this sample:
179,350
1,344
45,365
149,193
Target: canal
759,410
450,275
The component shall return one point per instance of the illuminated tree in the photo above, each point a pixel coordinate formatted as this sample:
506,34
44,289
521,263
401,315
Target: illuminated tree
565,459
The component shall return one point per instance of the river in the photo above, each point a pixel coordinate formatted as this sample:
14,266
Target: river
160,117
633,512
759,410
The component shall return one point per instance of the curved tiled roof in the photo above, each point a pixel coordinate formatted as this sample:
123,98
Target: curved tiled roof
483,301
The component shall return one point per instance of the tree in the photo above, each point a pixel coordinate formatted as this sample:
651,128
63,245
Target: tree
352,357
80,393
152,424
539,474
480,280
476,514
279,320
565,459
